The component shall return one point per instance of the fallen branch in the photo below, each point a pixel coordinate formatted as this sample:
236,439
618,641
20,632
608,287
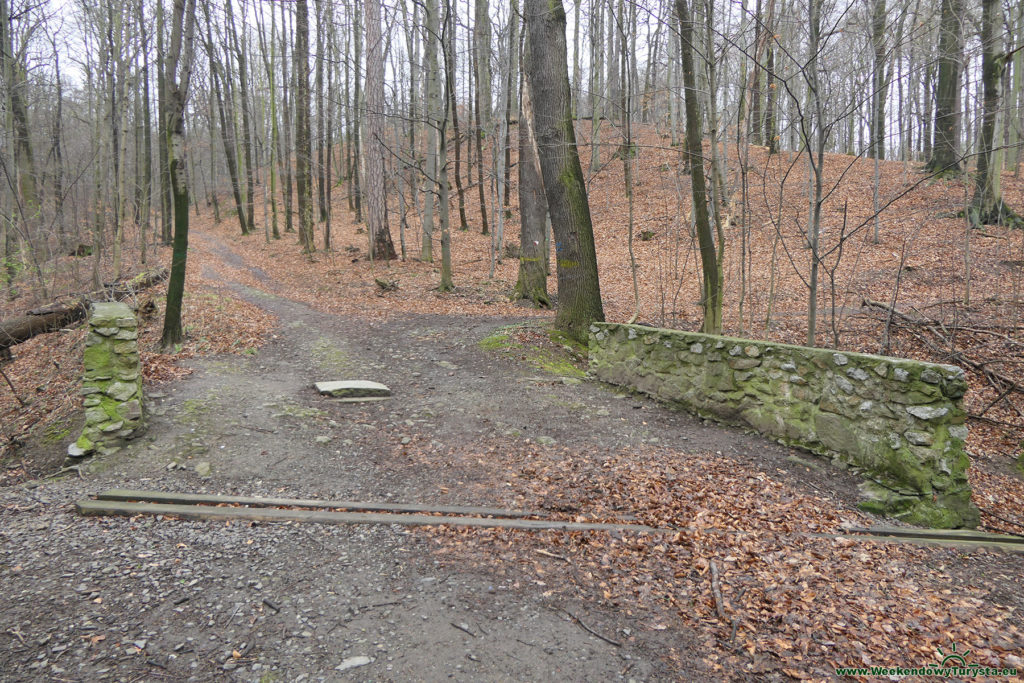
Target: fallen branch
545,553
716,590
14,391
464,628
591,631
991,421
997,380
59,315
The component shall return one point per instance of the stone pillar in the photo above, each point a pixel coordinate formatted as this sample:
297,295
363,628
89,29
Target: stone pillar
112,383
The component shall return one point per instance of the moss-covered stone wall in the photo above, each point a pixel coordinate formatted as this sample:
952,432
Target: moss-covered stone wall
899,422
112,383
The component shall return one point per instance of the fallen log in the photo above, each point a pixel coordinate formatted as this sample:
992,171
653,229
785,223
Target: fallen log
59,315
24,327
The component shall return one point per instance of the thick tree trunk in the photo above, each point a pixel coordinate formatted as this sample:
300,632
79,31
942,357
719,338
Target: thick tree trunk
318,90
946,149
533,205
579,294
432,85
303,149
375,148
987,205
879,80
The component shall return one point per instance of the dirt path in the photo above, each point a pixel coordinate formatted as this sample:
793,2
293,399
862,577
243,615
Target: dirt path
119,599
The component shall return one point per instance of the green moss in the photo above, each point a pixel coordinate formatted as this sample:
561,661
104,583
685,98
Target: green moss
562,367
496,341
56,432
194,408
298,411
551,360
927,514
560,337
110,406
330,357
96,357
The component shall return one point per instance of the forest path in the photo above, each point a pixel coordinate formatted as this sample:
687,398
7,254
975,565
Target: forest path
118,599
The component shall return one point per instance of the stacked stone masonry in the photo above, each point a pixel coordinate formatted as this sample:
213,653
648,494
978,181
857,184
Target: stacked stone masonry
899,422
112,383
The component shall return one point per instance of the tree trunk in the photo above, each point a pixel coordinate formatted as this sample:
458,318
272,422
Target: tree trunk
178,72
287,104
322,130
987,206
449,48
945,158
432,86
879,80
579,293
375,149
303,149
533,205
243,90
711,297
226,128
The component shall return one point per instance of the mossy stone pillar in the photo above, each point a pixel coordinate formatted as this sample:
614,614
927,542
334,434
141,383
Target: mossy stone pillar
112,383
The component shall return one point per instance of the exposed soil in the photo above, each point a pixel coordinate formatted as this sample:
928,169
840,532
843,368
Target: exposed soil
162,599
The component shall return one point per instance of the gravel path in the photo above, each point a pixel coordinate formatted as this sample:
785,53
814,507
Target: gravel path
154,599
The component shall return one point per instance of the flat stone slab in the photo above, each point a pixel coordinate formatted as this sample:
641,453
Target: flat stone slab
355,388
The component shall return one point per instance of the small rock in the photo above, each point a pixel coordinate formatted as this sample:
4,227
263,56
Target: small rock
545,440
857,374
322,439
927,412
203,468
121,391
353,663
918,438
353,389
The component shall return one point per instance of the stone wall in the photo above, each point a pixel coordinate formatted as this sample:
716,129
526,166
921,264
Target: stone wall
112,383
899,422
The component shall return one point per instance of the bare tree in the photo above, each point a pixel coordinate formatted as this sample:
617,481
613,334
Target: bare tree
532,282
375,149
579,293
177,74
711,297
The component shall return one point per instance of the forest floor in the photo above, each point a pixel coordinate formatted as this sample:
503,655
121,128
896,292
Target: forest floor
490,409
486,411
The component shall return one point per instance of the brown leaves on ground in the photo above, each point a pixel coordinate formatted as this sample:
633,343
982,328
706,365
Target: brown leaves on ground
47,370
969,283
793,603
